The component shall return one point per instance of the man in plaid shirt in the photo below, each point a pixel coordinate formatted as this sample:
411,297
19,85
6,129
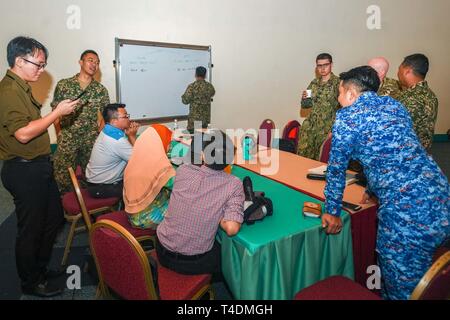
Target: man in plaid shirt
203,198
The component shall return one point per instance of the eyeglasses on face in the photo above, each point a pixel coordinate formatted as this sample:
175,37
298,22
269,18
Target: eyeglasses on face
325,65
40,66
125,116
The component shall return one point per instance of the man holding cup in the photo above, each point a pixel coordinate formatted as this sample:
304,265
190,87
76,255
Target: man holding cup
321,96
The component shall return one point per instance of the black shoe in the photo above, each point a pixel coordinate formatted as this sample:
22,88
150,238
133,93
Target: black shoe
54,273
44,289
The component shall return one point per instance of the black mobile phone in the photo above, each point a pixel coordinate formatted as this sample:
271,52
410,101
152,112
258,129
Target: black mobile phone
80,95
315,176
351,206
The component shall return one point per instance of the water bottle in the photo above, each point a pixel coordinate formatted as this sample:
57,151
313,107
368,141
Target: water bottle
175,124
247,147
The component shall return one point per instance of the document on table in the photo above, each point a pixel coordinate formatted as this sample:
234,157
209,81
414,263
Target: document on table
349,179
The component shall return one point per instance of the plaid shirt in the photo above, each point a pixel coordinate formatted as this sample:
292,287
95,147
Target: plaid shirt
200,199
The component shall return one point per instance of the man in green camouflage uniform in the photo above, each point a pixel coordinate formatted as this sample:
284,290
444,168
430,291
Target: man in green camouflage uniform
80,129
198,94
317,125
418,98
388,87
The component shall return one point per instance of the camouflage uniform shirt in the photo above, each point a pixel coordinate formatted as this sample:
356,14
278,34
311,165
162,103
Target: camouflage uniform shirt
198,94
422,105
79,129
85,117
413,192
316,127
389,87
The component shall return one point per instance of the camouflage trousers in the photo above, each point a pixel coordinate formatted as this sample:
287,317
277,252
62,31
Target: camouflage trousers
309,143
199,113
70,153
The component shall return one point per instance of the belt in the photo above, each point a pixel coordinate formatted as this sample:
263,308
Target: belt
43,158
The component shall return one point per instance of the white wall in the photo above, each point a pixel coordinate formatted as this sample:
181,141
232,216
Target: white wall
263,51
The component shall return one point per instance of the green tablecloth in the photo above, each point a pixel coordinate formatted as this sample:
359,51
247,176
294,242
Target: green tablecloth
277,257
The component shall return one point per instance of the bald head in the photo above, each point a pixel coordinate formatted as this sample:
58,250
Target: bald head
381,66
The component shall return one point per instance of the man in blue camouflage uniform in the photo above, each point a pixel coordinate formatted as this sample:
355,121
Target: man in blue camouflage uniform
412,191
79,130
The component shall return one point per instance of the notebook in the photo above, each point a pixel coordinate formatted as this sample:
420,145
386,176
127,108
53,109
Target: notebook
349,179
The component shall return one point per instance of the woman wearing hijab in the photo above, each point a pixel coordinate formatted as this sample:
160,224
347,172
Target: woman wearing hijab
148,171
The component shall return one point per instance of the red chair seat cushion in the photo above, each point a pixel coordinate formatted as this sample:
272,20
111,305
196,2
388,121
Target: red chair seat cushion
72,207
176,286
336,288
121,217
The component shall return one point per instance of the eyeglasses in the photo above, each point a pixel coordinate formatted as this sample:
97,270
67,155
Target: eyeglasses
40,66
325,65
126,116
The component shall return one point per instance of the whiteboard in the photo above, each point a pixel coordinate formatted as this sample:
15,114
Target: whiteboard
151,77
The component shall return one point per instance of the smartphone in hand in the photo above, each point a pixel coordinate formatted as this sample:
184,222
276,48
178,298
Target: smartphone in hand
351,206
80,95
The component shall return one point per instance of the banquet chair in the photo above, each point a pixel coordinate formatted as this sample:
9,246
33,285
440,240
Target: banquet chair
77,201
125,270
325,150
290,132
265,133
434,285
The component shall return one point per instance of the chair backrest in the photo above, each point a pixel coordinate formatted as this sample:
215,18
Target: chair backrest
325,150
435,284
265,133
287,145
164,133
121,262
77,189
290,132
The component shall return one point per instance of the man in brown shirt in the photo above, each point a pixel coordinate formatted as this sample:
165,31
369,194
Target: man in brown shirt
27,172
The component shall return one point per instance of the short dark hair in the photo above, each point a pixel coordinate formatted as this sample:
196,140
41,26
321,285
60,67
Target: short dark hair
110,111
23,46
200,72
85,52
365,78
419,64
216,146
324,56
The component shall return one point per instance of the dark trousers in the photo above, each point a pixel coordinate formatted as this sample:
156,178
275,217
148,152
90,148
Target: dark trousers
112,190
209,262
39,215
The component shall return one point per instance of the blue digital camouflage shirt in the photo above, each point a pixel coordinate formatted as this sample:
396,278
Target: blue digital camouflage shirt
413,192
